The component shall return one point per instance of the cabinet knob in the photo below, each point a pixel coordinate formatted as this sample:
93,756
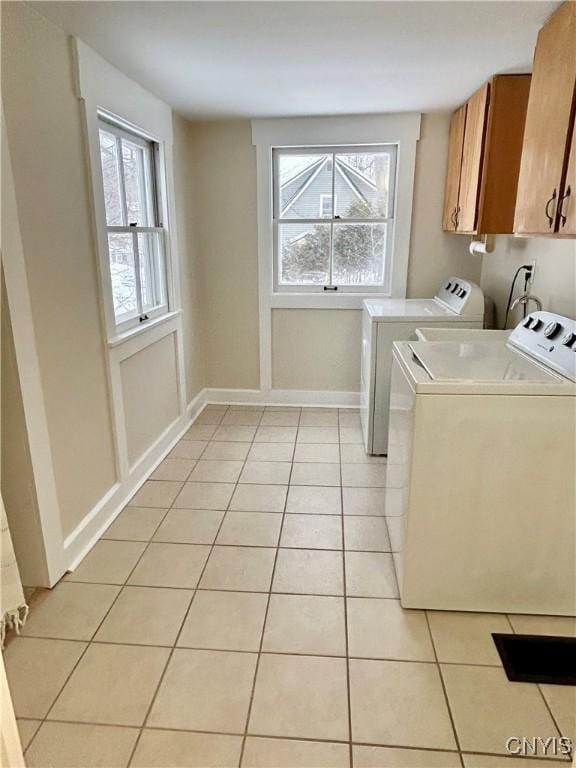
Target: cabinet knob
549,216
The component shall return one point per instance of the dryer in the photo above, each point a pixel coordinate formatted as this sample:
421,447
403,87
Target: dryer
458,303
481,495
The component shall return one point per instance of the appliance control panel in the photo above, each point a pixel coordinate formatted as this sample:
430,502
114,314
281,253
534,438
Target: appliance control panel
550,339
461,296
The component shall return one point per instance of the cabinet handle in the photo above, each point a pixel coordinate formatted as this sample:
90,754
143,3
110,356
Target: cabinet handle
453,217
561,206
458,209
548,216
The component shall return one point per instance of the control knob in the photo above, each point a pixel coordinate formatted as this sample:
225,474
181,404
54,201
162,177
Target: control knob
569,339
552,329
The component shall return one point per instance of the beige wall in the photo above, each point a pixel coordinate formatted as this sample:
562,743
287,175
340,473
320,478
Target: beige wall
311,350
316,349
554,279
48,159
188,263
223,216
150,394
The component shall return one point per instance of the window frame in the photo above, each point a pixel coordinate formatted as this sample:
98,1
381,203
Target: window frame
157,207
391,148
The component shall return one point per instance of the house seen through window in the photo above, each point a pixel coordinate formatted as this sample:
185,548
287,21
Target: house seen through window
333,217
135,233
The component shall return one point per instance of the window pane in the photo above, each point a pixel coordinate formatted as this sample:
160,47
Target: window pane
359,254
152,270
305,186
304,253
362,185
111,179
123,275
137,183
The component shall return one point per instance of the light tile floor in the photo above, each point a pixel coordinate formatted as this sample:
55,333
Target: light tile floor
243,610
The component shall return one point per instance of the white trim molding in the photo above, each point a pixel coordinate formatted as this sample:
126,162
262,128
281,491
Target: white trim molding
48,532
288,397
100,87
403,130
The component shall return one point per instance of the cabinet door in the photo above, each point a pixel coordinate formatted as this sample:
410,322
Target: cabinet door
472,160
547,124
455,142
567,209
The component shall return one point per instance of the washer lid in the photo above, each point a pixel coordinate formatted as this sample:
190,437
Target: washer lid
429,310
481,362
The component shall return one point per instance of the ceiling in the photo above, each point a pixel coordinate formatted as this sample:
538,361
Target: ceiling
271,59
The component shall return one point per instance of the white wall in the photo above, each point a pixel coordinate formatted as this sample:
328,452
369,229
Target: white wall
554,280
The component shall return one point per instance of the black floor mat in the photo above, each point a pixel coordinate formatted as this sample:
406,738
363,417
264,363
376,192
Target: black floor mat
538,658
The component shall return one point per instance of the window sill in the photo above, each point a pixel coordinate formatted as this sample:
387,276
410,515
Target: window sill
326,300
125,336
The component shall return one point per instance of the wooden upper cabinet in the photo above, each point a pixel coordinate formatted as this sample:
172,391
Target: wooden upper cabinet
472,154
549,128
452,190
490,151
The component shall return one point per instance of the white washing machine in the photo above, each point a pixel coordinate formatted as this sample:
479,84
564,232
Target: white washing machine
384,321
481,471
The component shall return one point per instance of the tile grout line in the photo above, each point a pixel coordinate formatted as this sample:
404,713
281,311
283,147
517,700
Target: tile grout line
271,653
444,690
187,612
342,742
245,546
268,601
346,637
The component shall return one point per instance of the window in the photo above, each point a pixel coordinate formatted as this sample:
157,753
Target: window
334,217
136,237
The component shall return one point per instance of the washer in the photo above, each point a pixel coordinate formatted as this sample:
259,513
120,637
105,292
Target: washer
481,496
384,321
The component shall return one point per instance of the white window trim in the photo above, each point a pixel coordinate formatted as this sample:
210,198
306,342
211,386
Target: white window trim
400,129
277,219
108,94
118,127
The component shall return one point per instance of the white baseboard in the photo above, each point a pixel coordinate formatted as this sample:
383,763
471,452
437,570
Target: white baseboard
84,536
293,397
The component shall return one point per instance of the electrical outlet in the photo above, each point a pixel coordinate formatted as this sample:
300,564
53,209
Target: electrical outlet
533,273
